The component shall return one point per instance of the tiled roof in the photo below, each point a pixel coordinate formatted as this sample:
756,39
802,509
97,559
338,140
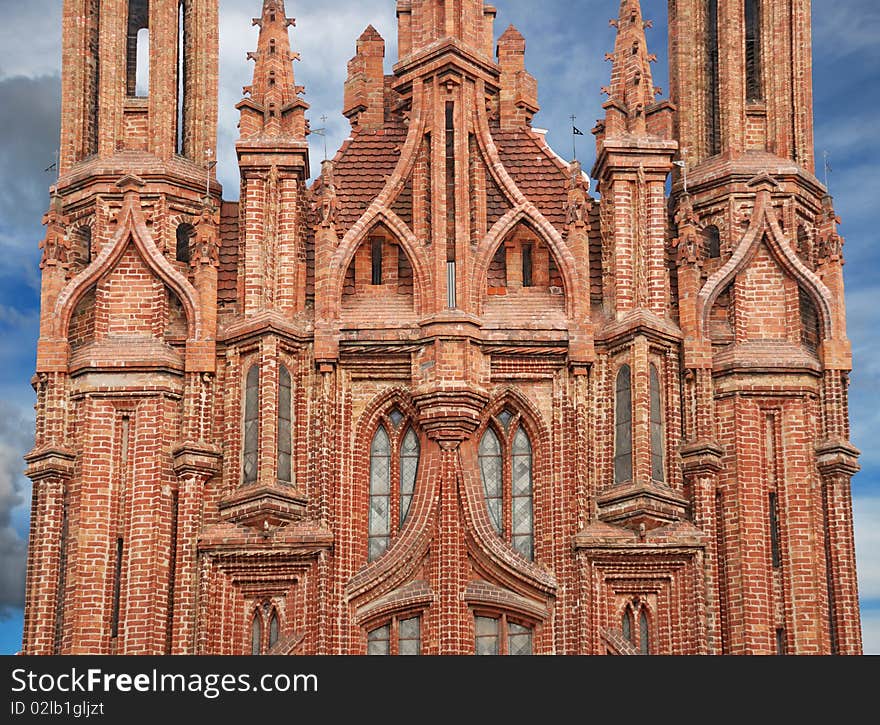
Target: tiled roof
227,274
361,169
539,175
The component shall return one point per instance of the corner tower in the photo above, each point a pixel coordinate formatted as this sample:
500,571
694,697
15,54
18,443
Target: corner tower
126,354
766,356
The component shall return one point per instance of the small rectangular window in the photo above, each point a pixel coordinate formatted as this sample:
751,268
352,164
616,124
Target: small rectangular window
774,531
527,265
376,252
780,641
379,641
451,301
487,635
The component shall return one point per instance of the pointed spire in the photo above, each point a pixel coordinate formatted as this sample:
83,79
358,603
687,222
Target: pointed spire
272,106
519,89
632,90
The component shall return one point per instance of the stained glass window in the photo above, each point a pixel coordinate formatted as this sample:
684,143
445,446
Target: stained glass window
519,639
500,636
256,634
379,640
397,637
380,494
251,425
623,469
644,636
409,636
409,466
521,494
491,471
487,635
274,629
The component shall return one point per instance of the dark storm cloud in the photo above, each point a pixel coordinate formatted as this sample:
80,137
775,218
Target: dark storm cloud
29,117
16,435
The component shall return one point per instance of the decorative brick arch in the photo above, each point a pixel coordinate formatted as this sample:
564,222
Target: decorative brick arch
493,555
527,213
132,230
764,225
523,209
359,233
398,564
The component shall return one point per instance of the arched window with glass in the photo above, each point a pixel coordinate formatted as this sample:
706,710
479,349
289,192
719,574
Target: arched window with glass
506,463
285,432
656,425
265,628
251,427
394,466
623,437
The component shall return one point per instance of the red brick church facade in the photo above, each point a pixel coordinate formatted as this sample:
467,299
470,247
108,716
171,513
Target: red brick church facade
445,399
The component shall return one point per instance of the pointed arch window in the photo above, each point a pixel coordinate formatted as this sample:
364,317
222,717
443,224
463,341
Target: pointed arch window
656,425
285,432
623,464
251,432
644,632
507,471
265,628
394,465
628,624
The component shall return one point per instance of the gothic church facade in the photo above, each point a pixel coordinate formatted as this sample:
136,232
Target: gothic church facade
446,399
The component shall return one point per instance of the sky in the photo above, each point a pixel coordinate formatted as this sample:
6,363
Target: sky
566,43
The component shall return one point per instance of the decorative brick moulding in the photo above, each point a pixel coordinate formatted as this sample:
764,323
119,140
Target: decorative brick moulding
450,397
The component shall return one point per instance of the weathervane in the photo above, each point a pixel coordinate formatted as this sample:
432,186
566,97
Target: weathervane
575,132
826,156
322,132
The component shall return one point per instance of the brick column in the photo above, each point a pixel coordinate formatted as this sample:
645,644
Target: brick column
701,462
195,464
837,464
50,470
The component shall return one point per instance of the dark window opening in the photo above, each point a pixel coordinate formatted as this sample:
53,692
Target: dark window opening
184,235
272,47
713,101
774,531
451,300
138,49
754,87
527,265
780,641
117,590
376,257
182,74
627,624
712,242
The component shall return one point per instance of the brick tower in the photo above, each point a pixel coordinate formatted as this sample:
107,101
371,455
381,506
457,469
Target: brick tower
443,401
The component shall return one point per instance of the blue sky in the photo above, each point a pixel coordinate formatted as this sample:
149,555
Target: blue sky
566,43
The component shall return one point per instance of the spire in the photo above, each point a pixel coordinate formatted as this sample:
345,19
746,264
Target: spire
272,106
632,92
519,89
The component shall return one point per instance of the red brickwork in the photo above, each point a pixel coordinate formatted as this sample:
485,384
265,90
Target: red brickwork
672,468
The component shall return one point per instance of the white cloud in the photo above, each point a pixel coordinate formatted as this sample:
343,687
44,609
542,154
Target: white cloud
871,631
866,513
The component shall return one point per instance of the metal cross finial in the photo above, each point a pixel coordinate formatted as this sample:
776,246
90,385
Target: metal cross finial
828,170
575,132
323,133
684,169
